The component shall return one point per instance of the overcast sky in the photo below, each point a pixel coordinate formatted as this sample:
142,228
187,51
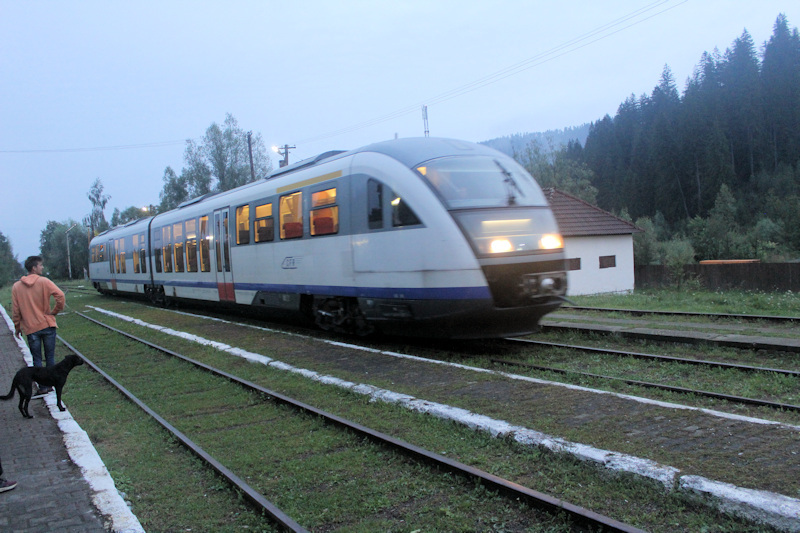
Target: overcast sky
112,89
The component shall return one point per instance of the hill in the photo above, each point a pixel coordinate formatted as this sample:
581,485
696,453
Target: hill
550,138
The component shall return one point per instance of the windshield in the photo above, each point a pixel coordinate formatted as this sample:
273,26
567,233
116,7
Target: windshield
482,181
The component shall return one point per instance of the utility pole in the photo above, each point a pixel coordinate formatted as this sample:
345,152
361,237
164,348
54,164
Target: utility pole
425,119
69,262
250,150
284,153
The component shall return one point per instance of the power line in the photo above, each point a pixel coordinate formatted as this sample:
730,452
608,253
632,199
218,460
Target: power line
586,39
601,32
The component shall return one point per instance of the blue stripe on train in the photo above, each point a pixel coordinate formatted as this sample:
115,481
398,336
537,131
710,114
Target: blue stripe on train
412,293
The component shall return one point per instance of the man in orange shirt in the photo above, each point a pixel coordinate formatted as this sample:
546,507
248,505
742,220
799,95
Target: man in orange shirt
32,314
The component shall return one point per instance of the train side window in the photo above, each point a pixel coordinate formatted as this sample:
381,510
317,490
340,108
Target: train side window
226,245
177,237
218,241
157,260
191,245
402,215
374,204
101,248
265,223
167,248
205,240
142,254
291,215
119,245
243,224
324,220
135,254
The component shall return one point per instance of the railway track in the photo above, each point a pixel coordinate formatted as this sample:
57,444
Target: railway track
670,388
735,399
729,336
656,357
712,316
515,492
336,353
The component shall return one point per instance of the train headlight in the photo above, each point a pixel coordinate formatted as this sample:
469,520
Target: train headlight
551,241
500,246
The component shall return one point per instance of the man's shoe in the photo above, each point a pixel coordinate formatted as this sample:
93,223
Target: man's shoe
42,391
7,485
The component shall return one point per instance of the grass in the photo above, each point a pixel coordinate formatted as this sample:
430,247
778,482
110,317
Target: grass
171,491
703,301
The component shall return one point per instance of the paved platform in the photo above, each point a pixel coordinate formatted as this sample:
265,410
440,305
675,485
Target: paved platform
60,487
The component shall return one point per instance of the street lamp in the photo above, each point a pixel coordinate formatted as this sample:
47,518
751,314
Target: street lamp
69,263
284,153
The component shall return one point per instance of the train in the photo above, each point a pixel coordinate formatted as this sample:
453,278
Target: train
429,237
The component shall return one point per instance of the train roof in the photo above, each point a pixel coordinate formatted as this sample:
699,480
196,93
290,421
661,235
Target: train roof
408,151
415,150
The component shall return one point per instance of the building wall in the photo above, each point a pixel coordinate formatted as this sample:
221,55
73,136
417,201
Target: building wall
585,256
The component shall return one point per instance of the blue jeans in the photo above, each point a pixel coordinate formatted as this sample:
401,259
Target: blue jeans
47,338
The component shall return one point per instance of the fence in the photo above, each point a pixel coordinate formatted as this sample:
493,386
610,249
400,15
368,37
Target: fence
766,277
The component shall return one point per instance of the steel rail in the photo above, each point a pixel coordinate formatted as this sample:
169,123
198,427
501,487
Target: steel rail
716,395
516,491
730,341
773,318
252,495
641,355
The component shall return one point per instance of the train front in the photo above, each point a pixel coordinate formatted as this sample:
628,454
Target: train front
506,218
500,210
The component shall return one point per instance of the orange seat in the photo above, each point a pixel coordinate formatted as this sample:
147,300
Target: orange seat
323,226
292,230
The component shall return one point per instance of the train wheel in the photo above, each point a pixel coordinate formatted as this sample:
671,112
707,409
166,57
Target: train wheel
157,295
342,315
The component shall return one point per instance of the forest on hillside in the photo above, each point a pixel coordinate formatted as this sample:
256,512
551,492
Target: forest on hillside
712,173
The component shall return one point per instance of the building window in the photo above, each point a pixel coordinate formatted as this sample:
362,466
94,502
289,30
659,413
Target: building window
574,264
608,261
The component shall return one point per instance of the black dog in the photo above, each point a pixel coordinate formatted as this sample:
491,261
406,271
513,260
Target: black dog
55,376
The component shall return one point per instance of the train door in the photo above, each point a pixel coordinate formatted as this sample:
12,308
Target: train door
223,256
112,264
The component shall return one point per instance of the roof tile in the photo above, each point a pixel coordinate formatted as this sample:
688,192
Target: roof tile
578,218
